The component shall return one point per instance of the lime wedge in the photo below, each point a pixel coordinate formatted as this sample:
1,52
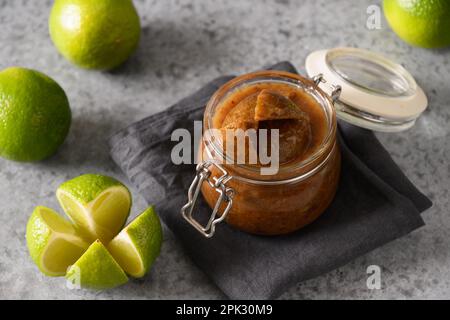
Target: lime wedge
137,246
98,205
97,269
95,34
422,23
53,242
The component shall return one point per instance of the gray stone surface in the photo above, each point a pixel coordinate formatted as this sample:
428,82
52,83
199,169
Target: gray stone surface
185,44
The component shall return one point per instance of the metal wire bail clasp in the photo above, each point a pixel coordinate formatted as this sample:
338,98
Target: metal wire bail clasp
335,89
218,184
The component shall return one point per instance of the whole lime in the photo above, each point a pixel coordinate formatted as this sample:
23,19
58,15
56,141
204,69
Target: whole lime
422,23
95,34
34,115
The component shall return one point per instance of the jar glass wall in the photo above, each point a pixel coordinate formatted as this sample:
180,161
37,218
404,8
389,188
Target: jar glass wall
303,187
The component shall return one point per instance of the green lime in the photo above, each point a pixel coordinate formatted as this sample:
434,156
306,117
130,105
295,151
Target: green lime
34,115
97,269
52,241
422,23
95,34
98,205
137,246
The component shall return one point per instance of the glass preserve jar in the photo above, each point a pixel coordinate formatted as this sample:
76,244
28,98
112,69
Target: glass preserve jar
267,204
369,91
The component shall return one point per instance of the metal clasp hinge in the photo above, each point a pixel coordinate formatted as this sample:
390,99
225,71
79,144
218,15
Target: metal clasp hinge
218,184
335,89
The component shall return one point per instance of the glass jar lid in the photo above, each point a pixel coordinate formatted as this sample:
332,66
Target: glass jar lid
377,93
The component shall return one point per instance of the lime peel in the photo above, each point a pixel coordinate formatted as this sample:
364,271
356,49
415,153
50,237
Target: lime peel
422,23
98,205
35,115
98,34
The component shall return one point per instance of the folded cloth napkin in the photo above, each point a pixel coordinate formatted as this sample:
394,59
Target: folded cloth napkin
375,204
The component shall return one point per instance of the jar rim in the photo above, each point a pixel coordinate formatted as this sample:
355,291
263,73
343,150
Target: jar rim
310,87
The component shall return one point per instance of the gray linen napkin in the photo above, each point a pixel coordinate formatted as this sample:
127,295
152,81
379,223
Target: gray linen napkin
375,204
